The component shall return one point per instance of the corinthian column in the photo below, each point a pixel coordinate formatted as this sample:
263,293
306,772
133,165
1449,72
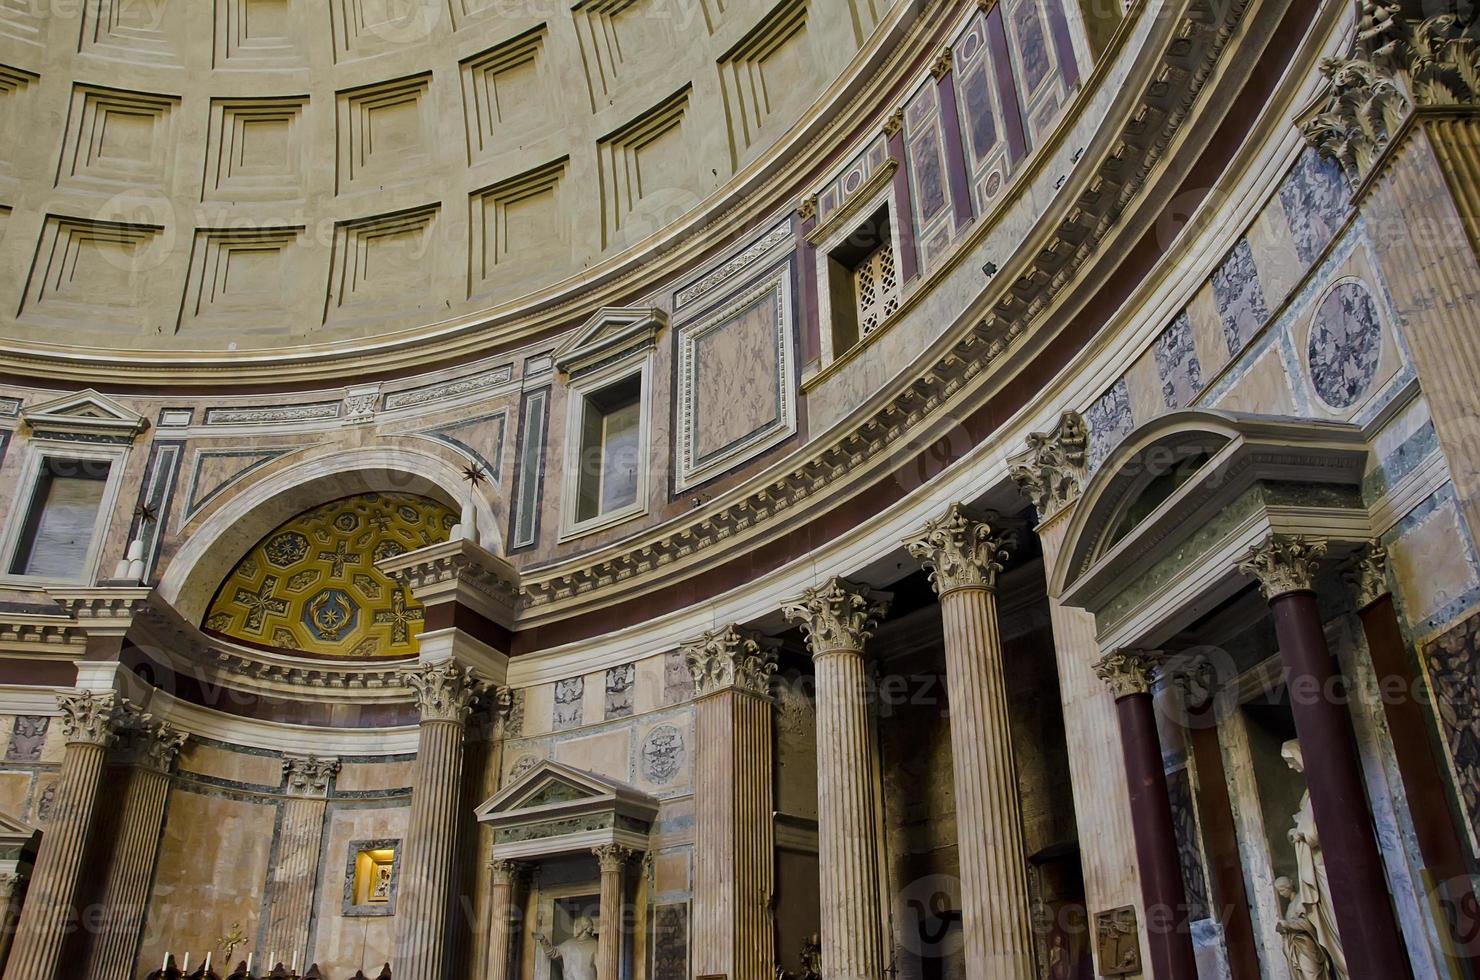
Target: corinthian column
612,859
424,915
838,618
1286,568
734,838
153,747
90,723
291,884
964,553
506,877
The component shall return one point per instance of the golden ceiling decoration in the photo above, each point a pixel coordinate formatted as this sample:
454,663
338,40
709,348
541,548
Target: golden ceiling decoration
311,585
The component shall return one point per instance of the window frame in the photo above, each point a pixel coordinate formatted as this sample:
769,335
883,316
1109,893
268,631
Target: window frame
834,235
38,451
578,396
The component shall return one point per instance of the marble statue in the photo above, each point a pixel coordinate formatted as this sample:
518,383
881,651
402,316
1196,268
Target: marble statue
1302,950
1311,892
576,957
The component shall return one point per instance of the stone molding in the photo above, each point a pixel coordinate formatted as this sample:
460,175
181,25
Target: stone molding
444,691
1051,472
731,659
89,718
962,550
1284,564
309,775
839,616
1368,574
1128,672
458,571
612,858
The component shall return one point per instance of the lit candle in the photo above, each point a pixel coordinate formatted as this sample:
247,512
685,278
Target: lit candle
249,963
295,962
164,964
208,962
186,967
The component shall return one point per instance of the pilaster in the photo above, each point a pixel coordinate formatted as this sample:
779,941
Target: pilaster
306,781
612,860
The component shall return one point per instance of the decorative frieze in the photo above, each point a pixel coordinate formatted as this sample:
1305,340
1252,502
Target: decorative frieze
446,390
1051,471
840,615
1284,564
444,691
309,775
1128,672
962,550
1368,574
731,658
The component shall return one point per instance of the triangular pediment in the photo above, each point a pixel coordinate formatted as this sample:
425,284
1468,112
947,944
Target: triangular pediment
612,334
86,414
14,835
552,785
555,809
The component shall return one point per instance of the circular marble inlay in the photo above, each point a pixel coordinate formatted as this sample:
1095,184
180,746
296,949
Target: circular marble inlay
662,754
1345,345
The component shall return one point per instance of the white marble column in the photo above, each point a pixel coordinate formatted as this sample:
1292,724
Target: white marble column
505,878
152,747
90,722
445,692
838,618
293,876
964,553
734,835
612,859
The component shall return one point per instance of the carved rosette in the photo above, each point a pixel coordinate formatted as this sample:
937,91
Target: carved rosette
1368,574
612,858
731,658
962,550
1128,672
1051,471
1284,564
444,691
89,718
838,616
309,775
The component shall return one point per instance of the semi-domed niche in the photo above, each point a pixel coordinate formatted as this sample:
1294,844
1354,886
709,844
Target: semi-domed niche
311,586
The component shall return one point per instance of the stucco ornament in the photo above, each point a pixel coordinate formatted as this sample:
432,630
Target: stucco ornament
1128,672
1368,574
962,550
1284,564
444,691
309,775
731,657
90,718
1050,472
840,615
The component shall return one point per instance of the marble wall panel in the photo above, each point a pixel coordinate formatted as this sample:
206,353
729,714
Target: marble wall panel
1110,420
27,738
1177,363
671,941
1240,297
1344,344
569,710
1451,661
678,683
605,754
342,944
1432,560
620,681
1314,198
1264,388
219,761
356,777
15,789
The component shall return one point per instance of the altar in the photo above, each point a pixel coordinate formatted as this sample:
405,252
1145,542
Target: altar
563,896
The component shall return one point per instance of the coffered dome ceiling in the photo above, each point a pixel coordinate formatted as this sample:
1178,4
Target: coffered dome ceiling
258,174
311,585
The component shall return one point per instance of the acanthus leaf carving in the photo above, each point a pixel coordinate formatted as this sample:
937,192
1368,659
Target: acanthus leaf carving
837,616
445,691
731,658
309,775
1284,563
1128,672
962,550
1051,471
90,718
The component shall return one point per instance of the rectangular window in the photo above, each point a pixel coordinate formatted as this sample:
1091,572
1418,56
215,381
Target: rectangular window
611,447
57,536
863,282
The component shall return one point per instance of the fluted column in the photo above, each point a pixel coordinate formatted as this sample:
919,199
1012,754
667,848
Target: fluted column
734,836
89,721
153,748
1163,892
1285,568
964,553
612,859
295,873
424,913
505,876
838,618
11,883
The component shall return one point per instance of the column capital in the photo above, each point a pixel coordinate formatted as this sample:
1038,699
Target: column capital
445,691
731,658
807,207
1051,470
507,872
91,718
942,63
8,882
894,123
1368,574
962,550
840,615
612,857
1284,563
1128,672
309,775
150,743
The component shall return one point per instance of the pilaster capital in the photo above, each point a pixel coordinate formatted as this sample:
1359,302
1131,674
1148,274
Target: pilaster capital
962,550
840,615
445,691
91,718
309,775
1128,672
894,123
506,872
8,882
612,858
731,658
1368,574
149,743
1051,470
807,207
1284,563
942,63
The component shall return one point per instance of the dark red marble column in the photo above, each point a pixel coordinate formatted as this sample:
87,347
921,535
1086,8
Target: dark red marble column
1285,567
1168,933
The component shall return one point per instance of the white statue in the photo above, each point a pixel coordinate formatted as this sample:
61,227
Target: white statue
576,956
1302,951
1311,892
